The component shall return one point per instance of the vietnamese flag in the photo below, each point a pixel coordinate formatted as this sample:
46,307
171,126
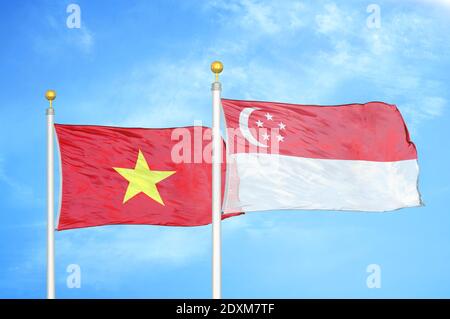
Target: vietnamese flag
113,175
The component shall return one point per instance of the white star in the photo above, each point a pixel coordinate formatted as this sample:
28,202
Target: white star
265,136
280,138
259,123
269,116
282,126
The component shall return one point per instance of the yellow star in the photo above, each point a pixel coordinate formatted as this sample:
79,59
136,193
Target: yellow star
142,179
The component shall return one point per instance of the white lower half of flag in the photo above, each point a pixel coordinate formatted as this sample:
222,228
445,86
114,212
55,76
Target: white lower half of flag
259,181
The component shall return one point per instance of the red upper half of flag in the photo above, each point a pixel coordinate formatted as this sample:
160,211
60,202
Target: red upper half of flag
373,131
113,175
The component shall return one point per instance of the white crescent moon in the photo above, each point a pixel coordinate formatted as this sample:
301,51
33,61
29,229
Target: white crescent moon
245,130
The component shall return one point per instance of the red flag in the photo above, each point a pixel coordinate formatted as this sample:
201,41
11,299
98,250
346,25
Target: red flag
113,175
345,157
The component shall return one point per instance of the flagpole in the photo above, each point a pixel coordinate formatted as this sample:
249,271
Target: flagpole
216,88
50,95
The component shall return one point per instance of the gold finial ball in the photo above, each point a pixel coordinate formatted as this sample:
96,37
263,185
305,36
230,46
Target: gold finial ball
216,67
50,95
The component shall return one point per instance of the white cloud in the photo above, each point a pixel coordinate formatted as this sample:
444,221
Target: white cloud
135,248
84,39
332,20
19,192
444,3
147,245
319,57
424,108
339,51
59,38
152,93
166,94
434,106
262,17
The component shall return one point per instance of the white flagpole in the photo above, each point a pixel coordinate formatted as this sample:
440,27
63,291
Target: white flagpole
50,95
216,68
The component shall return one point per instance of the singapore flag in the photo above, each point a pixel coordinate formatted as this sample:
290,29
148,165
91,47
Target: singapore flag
348,157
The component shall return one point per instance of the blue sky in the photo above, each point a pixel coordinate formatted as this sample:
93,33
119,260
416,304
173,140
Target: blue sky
146,63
